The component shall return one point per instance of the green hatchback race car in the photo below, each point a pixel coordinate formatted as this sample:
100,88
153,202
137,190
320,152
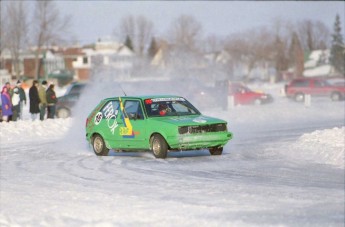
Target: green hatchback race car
154,123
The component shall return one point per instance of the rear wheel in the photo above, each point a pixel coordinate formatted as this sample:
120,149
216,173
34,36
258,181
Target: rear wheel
99,146
257,102
216,150
159,146
335,96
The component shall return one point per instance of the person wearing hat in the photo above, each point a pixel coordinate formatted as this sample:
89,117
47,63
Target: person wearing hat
43,99
22,97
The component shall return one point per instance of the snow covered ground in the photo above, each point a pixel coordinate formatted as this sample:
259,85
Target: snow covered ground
284,167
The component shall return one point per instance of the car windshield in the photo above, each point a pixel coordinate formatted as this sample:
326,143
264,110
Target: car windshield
161,107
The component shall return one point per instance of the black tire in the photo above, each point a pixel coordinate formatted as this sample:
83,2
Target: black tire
159,146
299,97
63,113
99,146
216,150
335,96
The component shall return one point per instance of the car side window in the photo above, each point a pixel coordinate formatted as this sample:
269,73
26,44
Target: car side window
319,83
133,109
301,83
110,109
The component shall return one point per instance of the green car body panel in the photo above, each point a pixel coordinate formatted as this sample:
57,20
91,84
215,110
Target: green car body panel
125,123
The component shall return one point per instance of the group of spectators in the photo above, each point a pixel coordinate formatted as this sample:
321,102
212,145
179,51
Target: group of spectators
42,100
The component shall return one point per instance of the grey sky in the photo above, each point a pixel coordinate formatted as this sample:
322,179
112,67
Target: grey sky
94,19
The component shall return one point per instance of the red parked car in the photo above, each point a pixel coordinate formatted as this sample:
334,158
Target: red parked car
243,95
298,88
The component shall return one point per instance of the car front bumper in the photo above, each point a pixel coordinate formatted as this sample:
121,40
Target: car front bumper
198,140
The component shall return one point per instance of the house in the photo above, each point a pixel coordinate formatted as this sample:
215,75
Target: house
317,64
114,57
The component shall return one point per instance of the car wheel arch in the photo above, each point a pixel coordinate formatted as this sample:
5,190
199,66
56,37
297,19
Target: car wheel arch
157,133
94,134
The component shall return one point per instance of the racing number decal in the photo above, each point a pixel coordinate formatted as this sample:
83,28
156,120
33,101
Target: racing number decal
98,118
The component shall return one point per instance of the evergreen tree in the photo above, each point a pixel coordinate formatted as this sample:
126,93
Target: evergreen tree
128,43
153,48
337,57
296,56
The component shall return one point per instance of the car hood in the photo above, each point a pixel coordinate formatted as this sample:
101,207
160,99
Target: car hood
188,120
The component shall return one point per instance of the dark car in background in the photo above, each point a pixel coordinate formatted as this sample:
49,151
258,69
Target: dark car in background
69,100
298,88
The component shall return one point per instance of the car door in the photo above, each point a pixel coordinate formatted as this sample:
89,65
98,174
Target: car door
320,88
132,124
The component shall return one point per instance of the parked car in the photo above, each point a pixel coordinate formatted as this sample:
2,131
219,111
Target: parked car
298,88
243,95
66,102
157,123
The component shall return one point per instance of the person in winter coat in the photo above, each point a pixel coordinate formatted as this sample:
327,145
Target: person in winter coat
15,104
43,99
34,100
22,96
6,105
51,101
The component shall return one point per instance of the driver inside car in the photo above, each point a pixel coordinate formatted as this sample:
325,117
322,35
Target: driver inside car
163,109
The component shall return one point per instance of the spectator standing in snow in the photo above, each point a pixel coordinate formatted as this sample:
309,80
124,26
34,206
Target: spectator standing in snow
6,105
15,104
51,101
22,96
43,99
34,100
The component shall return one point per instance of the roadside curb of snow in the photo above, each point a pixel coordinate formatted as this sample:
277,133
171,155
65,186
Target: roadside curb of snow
322,146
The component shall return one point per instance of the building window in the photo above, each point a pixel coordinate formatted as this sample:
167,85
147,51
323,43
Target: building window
85,60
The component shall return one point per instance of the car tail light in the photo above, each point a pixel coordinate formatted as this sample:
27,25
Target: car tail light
87,121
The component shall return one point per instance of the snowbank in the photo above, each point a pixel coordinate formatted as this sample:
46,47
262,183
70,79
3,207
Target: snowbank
322,146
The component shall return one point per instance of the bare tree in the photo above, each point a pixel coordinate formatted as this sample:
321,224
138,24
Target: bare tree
251,48
3,27
48,27
139,29
186,31
14,37
212,43
313,34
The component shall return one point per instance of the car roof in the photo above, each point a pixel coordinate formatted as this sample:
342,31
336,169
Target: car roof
143,97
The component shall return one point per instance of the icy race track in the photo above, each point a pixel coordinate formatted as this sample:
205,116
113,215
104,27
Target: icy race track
273,173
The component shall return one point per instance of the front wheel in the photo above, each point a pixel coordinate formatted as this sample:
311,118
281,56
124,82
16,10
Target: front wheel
159,146
216,150
99,146
63,113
